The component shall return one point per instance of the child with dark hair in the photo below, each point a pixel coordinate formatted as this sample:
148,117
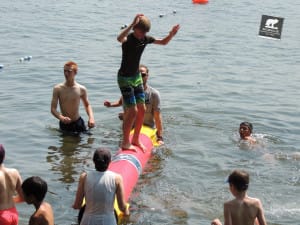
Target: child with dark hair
100,188
34,191
243,209
245,131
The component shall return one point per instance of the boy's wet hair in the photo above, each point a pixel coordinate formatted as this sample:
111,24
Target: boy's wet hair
2,153
102,158
144,24
36,187
239,179
247,124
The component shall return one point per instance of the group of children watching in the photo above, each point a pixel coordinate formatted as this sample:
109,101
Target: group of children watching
32,190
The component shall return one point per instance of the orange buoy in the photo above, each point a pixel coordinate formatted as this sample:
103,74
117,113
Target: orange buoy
200,1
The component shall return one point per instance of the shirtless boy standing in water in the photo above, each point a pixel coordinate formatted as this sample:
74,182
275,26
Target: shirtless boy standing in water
68,94
10,183
242,210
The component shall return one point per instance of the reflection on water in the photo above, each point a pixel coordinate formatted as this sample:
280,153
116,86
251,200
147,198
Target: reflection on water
67,156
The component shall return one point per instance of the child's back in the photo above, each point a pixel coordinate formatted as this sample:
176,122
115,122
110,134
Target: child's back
34,190
242,211
43,215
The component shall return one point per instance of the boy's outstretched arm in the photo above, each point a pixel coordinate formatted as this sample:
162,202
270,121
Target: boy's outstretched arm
123,35
168,38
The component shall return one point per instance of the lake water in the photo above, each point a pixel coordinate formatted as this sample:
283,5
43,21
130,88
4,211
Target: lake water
216,73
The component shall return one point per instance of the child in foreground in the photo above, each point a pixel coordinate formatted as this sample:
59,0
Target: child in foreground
34,191
243,210
129,78
10,183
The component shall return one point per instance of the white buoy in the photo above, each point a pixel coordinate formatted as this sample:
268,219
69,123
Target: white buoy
124,26
28,58
25,58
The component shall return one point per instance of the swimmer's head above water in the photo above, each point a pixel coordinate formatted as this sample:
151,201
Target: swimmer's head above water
245,130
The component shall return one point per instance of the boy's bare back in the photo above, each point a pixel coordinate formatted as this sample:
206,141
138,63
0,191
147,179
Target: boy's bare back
242,210
10,182
237,212
43,215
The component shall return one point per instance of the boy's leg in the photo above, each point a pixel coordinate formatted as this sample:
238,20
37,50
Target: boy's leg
128,120
133,93
138,125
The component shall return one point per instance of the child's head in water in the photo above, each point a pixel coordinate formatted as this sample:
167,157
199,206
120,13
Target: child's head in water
245,130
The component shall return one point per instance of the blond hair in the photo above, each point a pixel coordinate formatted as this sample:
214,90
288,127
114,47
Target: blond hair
144,24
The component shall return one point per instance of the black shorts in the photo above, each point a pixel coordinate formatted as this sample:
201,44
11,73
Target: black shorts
77,126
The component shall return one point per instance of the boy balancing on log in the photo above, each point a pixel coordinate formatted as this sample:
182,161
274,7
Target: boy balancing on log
129,78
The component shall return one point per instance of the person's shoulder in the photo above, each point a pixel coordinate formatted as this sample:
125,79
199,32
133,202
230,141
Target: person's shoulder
254,201
12,171
118,177
47,206
153,90
111,173
59,86
150,39
43,215
81,86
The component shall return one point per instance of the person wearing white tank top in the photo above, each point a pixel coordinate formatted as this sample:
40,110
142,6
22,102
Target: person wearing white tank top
99,188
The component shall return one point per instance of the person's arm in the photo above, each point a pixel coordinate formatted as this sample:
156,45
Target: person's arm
120,195
19,197
157,116
227,215
168,38
54,102
80,192
122,37
260,215
159,127
88,108
114,104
